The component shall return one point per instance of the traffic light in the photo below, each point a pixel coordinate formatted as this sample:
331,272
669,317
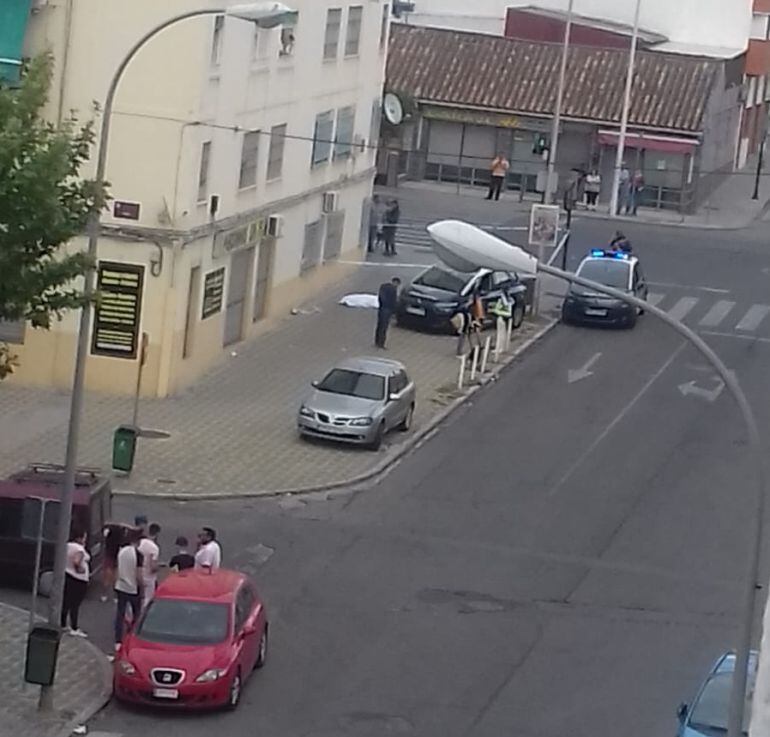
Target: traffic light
540,144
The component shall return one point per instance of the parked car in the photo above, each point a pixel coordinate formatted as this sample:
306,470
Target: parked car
707,716
20,508
438,292
359,401
196,644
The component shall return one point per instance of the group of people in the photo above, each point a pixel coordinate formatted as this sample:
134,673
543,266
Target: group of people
131,565
383,225
630,188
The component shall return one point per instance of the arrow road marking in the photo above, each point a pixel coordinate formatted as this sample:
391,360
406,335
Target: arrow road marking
710,395
584,371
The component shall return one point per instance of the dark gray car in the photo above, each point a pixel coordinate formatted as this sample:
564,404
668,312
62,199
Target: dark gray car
359,401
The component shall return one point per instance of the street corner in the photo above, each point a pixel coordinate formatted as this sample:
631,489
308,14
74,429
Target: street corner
82,686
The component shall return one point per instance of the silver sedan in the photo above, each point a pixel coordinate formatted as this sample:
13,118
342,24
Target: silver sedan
359,401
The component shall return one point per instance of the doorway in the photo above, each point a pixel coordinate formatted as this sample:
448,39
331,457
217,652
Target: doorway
265,259
241,264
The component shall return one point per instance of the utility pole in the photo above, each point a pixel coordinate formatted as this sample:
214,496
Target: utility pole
625,113
549,182
760,160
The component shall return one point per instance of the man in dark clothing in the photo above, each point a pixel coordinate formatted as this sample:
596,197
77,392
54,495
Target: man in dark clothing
390,224
388,301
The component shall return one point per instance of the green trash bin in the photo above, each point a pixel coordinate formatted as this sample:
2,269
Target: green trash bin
42,652
124,448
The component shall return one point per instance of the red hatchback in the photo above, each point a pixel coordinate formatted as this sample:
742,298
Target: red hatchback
196,643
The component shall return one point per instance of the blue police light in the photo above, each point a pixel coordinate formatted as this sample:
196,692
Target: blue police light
598,252
620,255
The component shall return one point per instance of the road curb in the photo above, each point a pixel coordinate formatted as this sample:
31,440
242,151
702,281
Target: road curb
97,704
391,458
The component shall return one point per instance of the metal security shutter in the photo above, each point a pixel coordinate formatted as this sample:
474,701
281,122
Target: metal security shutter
335,227
12,332
265,260
311,249
237,289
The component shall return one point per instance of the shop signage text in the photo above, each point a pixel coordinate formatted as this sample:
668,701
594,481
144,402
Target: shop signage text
240,238
118,310
213,293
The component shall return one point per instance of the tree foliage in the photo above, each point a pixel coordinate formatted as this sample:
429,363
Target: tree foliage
44,203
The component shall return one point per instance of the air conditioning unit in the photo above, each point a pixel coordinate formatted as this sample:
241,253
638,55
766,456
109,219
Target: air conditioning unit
330,201
38,5
274,226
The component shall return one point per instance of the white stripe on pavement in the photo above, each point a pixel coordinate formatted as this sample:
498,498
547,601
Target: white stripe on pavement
735,336
755,315
717,313
655,298
682,307
666,285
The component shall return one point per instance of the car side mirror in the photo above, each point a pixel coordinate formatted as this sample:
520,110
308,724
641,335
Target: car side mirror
249,629
393,397
681,712
315,384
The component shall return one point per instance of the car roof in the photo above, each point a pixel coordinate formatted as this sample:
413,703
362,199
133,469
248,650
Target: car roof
630,260
202,585
371,365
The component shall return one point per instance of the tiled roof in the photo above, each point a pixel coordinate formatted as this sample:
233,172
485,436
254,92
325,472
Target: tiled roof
467,69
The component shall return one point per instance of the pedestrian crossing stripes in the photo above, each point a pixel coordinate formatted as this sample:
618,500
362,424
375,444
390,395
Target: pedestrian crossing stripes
704,314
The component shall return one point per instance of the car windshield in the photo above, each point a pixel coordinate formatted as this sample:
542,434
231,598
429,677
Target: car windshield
709,714
605,271
181,622
437,278
354,384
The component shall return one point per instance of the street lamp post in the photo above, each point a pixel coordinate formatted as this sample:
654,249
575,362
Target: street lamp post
264,14
467,248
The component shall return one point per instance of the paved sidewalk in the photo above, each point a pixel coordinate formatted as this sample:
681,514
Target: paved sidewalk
234,432
83,683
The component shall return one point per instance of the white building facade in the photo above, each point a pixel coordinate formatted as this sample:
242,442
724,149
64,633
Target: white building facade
240,166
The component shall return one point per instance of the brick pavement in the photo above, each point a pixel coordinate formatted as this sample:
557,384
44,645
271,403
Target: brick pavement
83,683
234,431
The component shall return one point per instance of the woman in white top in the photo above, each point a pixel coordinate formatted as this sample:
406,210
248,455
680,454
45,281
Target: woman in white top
75,582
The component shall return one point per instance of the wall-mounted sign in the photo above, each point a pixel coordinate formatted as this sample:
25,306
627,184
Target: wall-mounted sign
240,238
118,311
480,117
213,293
126,210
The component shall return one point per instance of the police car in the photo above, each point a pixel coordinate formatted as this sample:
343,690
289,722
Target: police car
612,268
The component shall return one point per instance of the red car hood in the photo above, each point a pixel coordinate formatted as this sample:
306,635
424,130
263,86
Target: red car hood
193,659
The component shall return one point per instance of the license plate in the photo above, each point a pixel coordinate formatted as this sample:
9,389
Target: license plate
165,693
416,311
596,313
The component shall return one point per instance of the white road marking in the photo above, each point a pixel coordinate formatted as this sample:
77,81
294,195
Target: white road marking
710,395
755,315
655,298
717,313
734,336
682,307
665,285
607,430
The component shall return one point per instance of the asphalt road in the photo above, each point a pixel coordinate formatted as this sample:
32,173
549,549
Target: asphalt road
561,558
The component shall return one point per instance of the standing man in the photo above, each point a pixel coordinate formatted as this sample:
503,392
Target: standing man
128,584
150,550
375,223
593,186
388,302
183,560
637,187
209,555
498,170
390,224
624,188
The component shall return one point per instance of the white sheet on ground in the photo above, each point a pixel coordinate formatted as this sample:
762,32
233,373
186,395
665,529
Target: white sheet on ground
367,301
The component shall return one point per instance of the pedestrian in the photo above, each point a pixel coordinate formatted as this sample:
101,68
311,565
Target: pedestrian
140,523
637,187
183,560
390,225
498,170
387,298
461,322
209,555
76,576
128,584
593,186
624,188
150,550
375,223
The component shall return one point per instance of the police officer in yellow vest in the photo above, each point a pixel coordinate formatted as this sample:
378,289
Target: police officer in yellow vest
502,309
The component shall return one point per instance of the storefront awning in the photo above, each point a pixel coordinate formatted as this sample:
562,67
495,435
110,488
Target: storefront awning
14,15
663,144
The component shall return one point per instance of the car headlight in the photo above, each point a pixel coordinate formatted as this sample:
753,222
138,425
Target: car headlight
126,668
361,421
212,674
305,412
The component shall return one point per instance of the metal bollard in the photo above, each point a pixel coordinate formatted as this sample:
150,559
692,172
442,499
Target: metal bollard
474,362
508,334
461,376
485,355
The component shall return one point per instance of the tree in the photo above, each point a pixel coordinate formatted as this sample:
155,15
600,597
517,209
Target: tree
44,203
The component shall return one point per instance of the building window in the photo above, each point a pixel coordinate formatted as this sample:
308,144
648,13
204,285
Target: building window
275,154
312,246
249,156
287,41
384,25
353,33
217,39
332,34
343,142
322,137
203,172
760,28
12,331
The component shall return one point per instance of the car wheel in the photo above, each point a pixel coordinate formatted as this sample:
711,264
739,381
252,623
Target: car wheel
565,318
406,423
379,435
234,694
262,652
631,322
518,315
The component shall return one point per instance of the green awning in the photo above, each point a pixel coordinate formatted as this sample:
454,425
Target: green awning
14,15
